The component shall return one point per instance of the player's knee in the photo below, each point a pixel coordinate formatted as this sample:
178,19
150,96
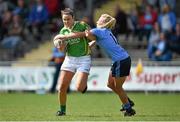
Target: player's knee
110,85
63,88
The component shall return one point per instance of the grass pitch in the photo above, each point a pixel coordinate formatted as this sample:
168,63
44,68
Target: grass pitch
88,107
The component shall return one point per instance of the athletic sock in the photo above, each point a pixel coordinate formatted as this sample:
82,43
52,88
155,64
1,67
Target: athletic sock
127,106
63,108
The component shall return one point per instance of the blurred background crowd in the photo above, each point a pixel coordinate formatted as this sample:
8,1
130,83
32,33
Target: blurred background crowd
148,29
155,22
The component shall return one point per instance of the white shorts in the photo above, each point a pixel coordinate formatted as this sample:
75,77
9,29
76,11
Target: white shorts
77,64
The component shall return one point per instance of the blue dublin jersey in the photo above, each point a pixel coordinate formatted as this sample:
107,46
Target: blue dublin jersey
106,40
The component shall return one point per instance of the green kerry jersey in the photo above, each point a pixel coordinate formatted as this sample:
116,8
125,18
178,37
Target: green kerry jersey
78,46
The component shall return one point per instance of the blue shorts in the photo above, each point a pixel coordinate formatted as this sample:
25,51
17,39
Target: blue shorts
121,68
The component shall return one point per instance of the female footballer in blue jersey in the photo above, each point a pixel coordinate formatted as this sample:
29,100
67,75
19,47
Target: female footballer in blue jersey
121,61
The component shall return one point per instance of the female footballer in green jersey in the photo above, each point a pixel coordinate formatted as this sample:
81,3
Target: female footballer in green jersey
77,59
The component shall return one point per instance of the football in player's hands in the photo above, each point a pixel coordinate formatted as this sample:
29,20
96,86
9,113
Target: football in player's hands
58,43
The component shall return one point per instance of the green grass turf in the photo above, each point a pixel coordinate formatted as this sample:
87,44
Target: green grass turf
88,107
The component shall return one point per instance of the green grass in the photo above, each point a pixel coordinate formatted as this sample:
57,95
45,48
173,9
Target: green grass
88,107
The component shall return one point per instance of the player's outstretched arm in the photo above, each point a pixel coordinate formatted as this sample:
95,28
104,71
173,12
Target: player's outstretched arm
70,36
90,35
58,36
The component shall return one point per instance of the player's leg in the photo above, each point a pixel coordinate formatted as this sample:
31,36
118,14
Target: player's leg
82,73
116,85
67,72
119,81
111,85
81,81
64,82
120,70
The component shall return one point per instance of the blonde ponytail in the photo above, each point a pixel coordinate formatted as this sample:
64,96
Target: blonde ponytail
109,22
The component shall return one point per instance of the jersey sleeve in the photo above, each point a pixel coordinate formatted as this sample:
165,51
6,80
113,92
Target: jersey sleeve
85,25
96,32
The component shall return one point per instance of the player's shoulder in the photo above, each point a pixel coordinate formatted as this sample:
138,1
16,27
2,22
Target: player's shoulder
100,32
82,23
97,30
64,30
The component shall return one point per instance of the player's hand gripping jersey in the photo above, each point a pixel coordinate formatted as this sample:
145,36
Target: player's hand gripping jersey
78,46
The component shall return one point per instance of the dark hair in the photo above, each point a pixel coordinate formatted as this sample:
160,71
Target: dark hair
67,11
